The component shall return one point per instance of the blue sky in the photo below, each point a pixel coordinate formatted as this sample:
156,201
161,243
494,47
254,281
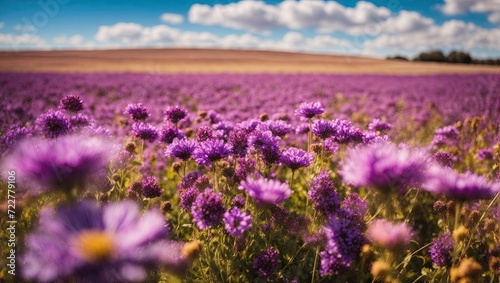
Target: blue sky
371,28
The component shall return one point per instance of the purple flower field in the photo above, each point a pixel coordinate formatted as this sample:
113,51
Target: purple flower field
252,178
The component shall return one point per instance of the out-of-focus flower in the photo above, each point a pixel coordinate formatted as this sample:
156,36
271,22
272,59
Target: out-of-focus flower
53,124
63,163
238,201
15,135
169,133
309,110
296,158
150,188
345,132
71,103
188,196
441,249
378,125
384,166
444,158
175,113
207,209
266,191
239,141
237,222
354,208
322,194
137,112
461,187
393,236
211,151
182,149
323,129
266,263
144,131
88,243
279,128
485,154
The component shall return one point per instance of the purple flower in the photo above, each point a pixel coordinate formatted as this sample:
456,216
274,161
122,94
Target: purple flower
204,133
182,149
485,154
278,127
145,131
63,163
207,209
53,124
302,129
237,222
444,158
393,236
239,141
150,188
175,113
245,167
222,129
296,158
190,179
441,249
384,166
450,132
330,147
372,137
137,112
345,132
309,110
238,201
71,103
187,198
211,151
323,129
249,125
323,196
344,242
462,187
267,144
266,263
266,191
15,135
79,121
378,125
88,243
169,133
354,208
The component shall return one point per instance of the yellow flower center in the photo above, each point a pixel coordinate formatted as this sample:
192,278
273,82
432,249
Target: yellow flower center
95,245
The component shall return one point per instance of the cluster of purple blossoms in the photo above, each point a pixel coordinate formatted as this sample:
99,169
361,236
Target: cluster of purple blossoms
279,128
266,191
266,263
296,158
267,144
344,242
384,166
79,121
245,167
189,180
207,210
378,125
444,158
144,131
441,249
187,197
14,135
372,137
204,133
238,201
309,110
71,103
53,124
150,188
175,113
210,151
239,141
169,133
249,125
182,149
445,135
88,243
64,163
354,208
323,129
393,236
223,129
322,194
237,222
345,132
485,154
137,112
462,187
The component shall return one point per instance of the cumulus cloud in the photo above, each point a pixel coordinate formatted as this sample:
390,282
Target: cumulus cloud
76,39
258,16
455,7
23,41
173,19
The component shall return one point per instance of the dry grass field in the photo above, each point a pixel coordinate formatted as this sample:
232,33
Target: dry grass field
220,61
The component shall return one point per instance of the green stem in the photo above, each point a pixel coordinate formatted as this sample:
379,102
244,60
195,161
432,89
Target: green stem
313,279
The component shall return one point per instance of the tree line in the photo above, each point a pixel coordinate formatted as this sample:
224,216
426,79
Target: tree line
452,57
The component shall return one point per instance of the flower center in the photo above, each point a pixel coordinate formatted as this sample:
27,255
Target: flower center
95,245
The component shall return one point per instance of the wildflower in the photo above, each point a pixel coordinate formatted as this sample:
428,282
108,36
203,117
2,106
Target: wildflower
150,188
187,198
15,135
266,191
441,249
378,125
207,209
323,196
239,141
53,124
237,222
444,158
296,158
485,154
79,121
71,103
309,110
88,243
175,113
211,151
279,128
323,129
393,236
169,133
204,134
266,263
145,132
354,207
383,166
345,132
182,149
238,201
137,112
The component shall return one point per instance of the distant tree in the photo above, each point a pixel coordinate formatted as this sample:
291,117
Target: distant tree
459,57
397,57
434,56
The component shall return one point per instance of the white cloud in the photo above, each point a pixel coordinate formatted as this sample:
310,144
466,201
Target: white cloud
173,19
257,16
23,41
76,39
25,28
455,7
